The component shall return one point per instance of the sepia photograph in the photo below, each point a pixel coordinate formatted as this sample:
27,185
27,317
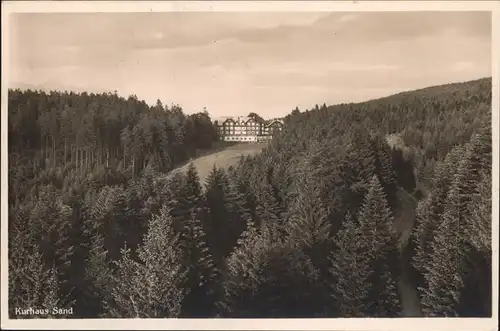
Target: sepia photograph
218,161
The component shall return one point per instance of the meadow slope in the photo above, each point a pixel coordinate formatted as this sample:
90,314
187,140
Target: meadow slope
222,158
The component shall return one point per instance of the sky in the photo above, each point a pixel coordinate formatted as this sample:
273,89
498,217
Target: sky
242,62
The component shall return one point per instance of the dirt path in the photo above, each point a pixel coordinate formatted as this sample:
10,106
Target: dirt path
410,300
404,222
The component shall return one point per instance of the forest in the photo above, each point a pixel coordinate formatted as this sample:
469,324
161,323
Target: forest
307,228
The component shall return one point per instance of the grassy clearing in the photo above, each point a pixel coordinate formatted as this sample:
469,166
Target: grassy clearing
222,156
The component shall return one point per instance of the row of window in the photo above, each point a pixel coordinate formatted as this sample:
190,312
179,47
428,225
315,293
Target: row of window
248,133
253,125
244,124
275,127
242,138
241,132
260,138
226,127
230,122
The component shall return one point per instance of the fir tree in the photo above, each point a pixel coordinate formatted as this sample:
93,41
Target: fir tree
268,209
241,277
52,298
237,211
188,198
462,291
99,277
202,276
241,183
308,225
477,295
226,212
215,220
348,187
51,228
269,279
479,228
351,272
151,287
385,170
469,169
444,271
125,297
193,187
27,278
429,211
173,197
366,156
289,285
380,244
31,283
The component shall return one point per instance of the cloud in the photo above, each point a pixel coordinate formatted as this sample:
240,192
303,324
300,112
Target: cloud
375,27
346,66
463,66
68,68
152,30
348,18
71,48
232,62
158,35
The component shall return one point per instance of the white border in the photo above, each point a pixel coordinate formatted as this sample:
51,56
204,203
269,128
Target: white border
495,68
244,6
455,324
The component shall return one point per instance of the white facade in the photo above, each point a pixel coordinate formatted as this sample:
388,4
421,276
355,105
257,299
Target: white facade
247,129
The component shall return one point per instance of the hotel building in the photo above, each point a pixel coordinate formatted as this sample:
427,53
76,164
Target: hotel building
247,128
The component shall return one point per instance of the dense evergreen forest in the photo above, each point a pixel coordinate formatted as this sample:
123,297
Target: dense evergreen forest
307,228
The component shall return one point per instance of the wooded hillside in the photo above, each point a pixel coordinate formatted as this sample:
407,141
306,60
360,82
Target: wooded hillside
303,229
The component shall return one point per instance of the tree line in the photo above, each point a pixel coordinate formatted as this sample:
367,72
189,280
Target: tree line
84,131
304,229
